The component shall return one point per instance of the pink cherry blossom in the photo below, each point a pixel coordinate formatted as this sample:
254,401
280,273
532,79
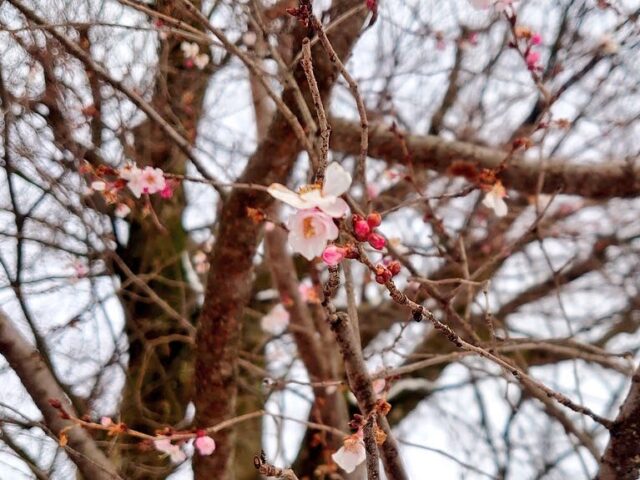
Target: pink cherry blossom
309,232
326,197
276,321
333,255
204,444
164,445
147,180
351,454
536,39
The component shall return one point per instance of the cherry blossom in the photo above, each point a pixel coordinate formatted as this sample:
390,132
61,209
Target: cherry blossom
326,197
176,454
189,49
308,292
494,199
204,444
106,421
276,321
191,52
122,210
98,186
351,454
147,180
333,255
309,232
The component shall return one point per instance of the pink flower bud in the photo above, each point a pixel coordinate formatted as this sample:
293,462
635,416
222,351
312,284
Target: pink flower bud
333,255
376,240
532,59
361,229
204,444
167,191
536,39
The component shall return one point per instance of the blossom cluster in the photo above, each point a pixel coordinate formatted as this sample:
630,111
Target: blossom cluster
312,226
140,181
192,55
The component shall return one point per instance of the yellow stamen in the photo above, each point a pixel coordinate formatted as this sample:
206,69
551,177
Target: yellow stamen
307,228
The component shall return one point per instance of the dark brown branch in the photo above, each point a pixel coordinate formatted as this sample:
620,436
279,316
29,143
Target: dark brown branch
621,458
605,180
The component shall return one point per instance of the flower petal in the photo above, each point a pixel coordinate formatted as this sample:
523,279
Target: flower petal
489,200
336,180
282,193
333,206
500,207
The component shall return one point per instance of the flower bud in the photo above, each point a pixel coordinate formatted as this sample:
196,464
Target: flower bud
333,255
376,240
362,230
394,267
374,219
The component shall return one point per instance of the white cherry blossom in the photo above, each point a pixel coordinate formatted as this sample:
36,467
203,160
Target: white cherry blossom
176,454
122,210
276,321
494,199
326,197
309,232
201,60
190,49
351,454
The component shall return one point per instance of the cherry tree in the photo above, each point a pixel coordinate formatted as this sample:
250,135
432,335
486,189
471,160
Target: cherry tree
332,239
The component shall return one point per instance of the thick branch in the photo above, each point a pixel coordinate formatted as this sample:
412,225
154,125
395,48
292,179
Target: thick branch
41,386
621,459
605,180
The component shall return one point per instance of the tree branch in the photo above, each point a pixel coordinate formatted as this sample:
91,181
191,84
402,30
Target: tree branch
42,387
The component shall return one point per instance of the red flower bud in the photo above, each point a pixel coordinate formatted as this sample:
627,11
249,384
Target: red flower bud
361,230
374,219
376,240
394,267
380,279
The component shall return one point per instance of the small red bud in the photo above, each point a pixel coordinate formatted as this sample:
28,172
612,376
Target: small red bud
361,230
55,403
380,279
376,240
374,219
394,267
